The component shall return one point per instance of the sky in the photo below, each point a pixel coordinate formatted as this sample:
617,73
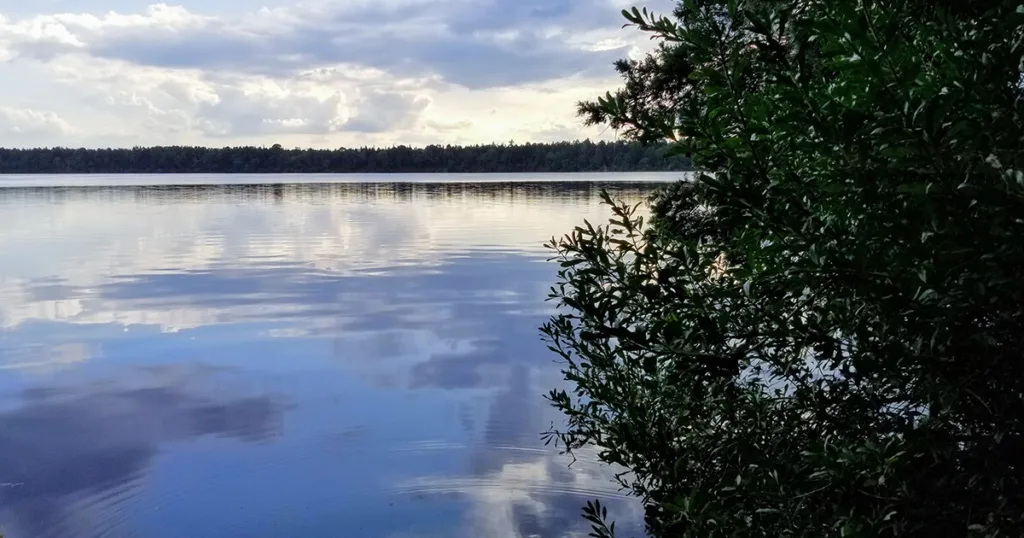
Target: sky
122,73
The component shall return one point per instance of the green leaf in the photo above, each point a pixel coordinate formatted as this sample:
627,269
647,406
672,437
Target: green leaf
860,178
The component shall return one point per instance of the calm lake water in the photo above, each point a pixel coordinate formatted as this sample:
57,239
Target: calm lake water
303,360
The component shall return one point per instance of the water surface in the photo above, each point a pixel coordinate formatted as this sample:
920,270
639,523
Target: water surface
120,180
286,360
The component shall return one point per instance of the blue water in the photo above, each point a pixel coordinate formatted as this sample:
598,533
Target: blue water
287,360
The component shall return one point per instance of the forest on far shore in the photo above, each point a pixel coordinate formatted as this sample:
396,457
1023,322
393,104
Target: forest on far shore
585,156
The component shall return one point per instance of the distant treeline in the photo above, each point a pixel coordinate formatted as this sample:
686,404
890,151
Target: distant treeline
584,156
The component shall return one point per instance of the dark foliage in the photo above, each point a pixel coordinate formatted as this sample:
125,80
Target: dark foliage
823,334
584,156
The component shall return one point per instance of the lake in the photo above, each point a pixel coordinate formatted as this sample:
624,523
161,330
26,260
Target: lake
331,357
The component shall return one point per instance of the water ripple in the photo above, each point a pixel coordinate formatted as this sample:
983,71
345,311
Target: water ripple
286,360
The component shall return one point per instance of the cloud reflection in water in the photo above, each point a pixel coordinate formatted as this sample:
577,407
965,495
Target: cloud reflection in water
88,447
399,322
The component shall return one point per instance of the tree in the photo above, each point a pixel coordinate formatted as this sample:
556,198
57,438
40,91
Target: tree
822,333
556,157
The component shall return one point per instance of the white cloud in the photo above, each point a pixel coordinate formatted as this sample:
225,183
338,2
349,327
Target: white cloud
379,112
268,109
327,73
17,122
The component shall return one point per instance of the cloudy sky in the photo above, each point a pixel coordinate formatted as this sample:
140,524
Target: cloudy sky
322,73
